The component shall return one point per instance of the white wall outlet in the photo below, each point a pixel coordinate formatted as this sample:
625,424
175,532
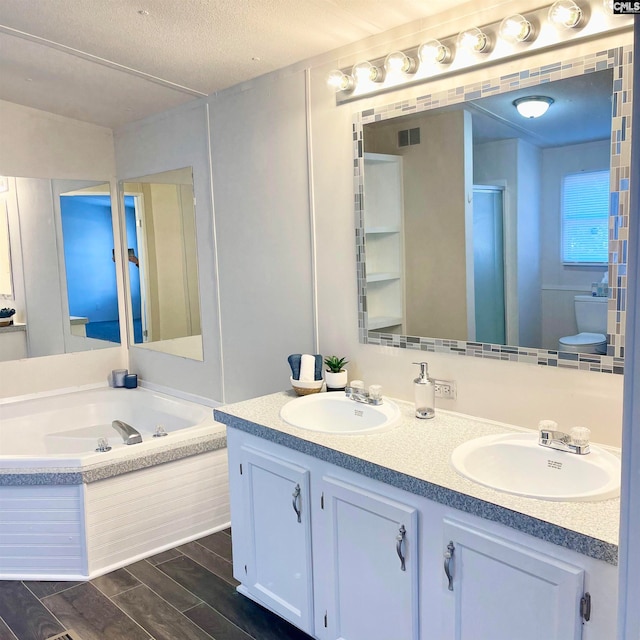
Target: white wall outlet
445,389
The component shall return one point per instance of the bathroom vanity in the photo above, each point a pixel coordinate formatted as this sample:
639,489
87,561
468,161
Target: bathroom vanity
376,536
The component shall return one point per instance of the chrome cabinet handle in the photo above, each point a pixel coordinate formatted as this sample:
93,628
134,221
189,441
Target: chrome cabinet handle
447,564
399,540
296,501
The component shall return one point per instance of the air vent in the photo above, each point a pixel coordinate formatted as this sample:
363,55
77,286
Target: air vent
67,635
408,137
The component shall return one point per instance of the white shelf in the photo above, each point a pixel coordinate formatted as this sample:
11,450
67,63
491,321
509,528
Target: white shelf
383,276
381,322
391,229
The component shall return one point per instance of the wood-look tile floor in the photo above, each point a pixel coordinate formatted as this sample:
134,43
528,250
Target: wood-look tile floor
186,593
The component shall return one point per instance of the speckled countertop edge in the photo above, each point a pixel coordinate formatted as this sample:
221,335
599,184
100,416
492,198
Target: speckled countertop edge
414,456
111,468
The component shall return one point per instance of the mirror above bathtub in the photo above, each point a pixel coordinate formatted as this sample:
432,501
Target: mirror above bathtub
62,272
477,228
164,295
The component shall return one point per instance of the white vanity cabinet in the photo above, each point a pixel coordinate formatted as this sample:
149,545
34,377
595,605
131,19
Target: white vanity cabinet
272,533
503,591
338,573
366,565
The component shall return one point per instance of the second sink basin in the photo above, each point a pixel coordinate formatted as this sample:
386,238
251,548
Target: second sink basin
516,463
335,413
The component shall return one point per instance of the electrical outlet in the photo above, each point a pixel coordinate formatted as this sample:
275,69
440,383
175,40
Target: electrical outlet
445,389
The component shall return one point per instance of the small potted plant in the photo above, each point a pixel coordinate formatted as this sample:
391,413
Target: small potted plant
6,316
335,375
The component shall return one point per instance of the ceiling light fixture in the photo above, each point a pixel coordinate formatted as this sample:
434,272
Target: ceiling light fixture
367,72
399,62
565,13
516,29
434,52
474,41
340,81
532,106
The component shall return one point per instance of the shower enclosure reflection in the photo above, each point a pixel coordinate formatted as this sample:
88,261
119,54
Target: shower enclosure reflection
159,215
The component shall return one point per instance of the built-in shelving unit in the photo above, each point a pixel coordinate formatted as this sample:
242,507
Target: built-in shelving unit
384,243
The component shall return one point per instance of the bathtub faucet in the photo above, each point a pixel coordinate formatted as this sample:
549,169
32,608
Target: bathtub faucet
128,433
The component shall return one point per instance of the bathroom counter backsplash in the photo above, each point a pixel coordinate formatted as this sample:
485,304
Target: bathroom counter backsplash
414,456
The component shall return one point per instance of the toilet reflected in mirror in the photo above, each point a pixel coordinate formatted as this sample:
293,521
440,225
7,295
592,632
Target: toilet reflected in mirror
591,318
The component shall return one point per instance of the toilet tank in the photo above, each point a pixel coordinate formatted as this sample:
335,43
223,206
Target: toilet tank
591,314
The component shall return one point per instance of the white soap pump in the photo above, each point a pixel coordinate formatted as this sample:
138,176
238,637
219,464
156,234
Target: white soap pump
425,393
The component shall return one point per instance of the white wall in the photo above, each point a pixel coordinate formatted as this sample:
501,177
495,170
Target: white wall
173,140
34,143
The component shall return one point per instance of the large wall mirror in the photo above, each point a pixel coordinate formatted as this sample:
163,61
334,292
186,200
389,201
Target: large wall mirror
159,212
58,259
484,232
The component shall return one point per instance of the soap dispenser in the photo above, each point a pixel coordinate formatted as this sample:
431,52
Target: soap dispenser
425,393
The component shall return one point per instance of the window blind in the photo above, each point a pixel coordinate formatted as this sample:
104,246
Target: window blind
585,218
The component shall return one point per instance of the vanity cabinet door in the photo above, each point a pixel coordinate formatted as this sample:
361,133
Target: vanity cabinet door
366,564
277,537
505,591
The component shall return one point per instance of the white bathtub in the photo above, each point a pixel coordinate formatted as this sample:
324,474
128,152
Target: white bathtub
71,513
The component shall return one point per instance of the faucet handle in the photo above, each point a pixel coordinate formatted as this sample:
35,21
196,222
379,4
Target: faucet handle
580,436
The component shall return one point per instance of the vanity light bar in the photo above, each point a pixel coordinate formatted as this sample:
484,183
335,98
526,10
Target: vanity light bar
551,26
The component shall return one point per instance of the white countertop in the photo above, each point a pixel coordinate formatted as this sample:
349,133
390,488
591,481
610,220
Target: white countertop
421,449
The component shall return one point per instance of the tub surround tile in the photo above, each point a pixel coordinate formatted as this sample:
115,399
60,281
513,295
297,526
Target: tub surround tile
242,612
24,614
216,625
92,615
164,586
414,456
158,617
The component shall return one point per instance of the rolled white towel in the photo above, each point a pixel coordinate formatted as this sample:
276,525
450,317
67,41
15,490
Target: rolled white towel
307,367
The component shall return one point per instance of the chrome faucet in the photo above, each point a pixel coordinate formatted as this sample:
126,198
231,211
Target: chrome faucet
360,395
563,441
128,433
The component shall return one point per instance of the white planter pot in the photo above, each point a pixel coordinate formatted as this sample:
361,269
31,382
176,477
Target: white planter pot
336,380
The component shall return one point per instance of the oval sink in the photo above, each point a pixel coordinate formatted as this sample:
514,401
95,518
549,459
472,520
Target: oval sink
335,413
516,463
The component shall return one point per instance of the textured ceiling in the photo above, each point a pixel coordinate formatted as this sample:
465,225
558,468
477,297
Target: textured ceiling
114,61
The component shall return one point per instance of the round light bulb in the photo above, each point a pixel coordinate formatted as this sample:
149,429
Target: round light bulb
532,106
473,40
434,52
515,29
340,81
399,62
366,72
565,13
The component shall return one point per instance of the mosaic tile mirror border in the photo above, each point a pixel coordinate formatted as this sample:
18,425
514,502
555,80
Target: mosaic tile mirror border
620,60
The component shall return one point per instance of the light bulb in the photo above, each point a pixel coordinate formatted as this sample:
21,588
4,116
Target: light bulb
340,81
565,13
532,106
473,40
399,62
434,52
516,29
366,72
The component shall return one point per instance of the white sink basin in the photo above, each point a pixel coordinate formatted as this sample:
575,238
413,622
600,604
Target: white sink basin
516,463
335,413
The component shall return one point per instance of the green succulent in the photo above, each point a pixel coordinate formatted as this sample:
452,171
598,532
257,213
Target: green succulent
335,364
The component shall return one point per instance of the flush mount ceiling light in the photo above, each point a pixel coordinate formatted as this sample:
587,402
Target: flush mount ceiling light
367,72
516,29
399,62
532,106
565,13
434,52
474,41
340,81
